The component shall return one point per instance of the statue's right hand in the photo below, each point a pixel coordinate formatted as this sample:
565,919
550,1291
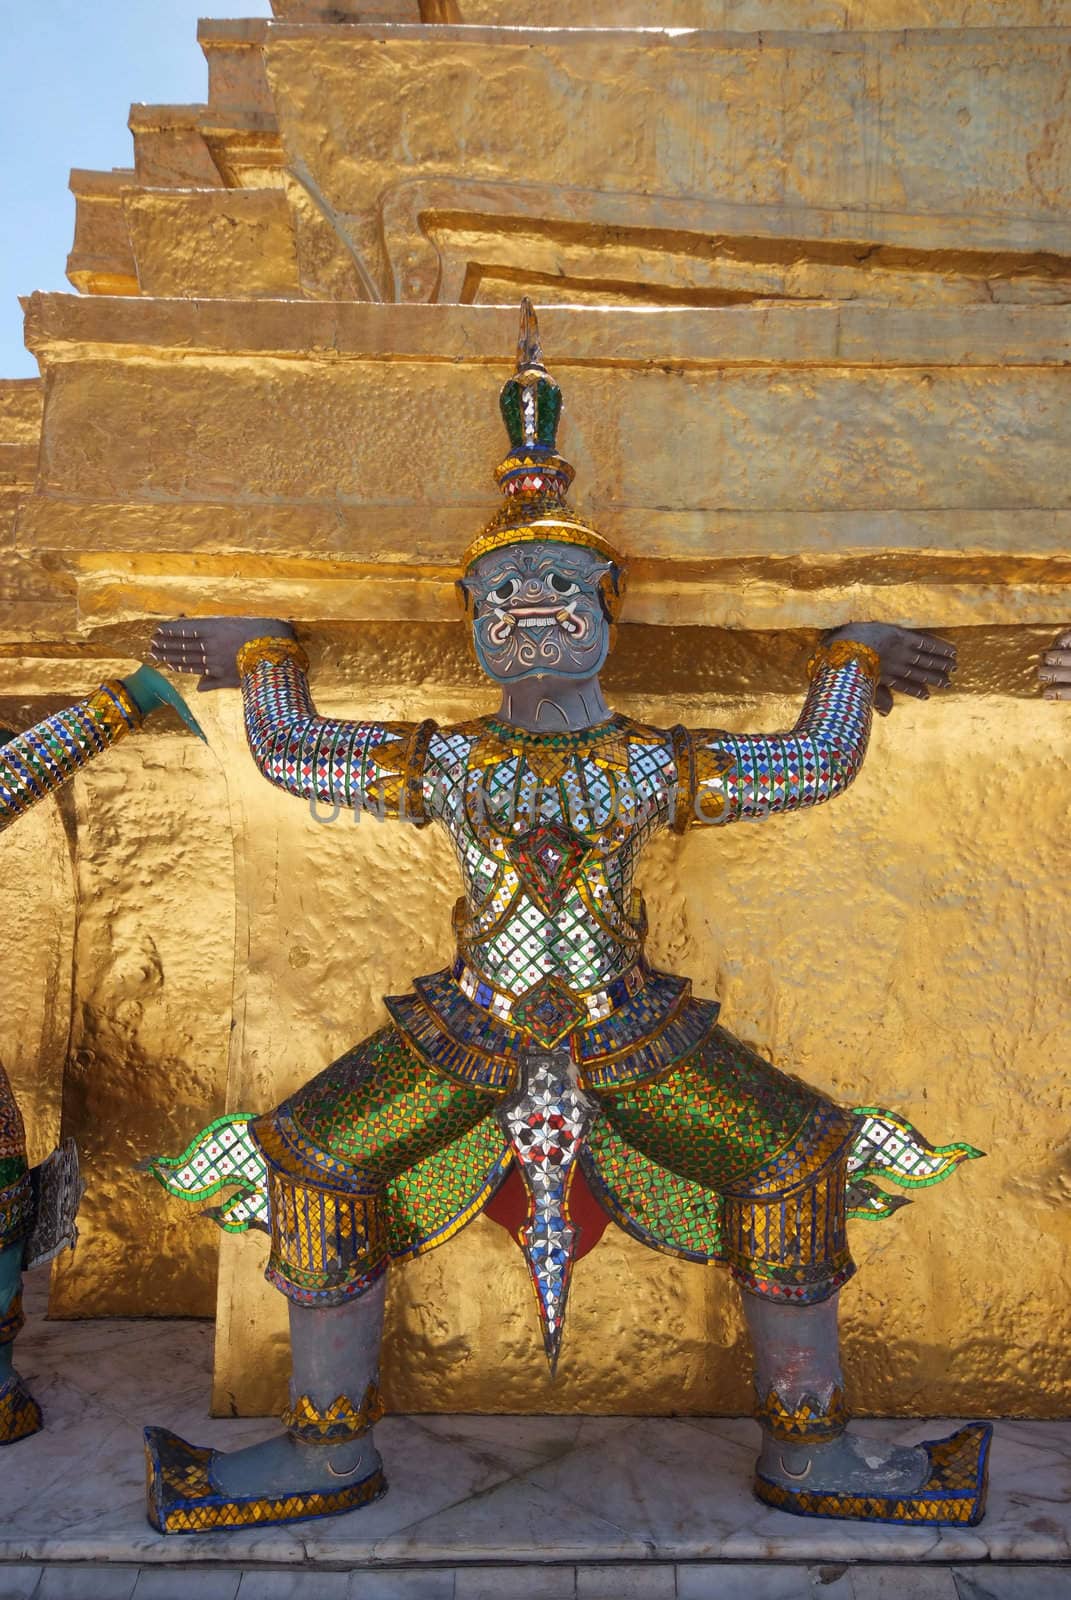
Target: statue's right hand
1054,669
210,645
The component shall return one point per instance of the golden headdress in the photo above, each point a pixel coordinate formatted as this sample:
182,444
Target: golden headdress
533,477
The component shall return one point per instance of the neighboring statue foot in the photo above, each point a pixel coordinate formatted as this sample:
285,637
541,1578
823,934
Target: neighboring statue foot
194,1490
851,1476
20,1415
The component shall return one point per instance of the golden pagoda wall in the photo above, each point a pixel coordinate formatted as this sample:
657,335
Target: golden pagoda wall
917,141
846,394
775,469
916,165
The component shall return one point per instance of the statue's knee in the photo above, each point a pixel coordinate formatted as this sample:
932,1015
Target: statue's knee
328,1245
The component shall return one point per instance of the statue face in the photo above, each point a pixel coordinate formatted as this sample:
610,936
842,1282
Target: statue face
538,612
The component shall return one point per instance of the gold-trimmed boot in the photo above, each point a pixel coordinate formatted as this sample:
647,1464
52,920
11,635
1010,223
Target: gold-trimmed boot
814,1465
953,1476
20,1415
325,1462
184,1494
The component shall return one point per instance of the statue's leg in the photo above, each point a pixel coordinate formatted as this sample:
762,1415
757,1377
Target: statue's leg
323,1462
790,1254
334,1354
20,1415
774,1154
10,1306
800,1406
331,1154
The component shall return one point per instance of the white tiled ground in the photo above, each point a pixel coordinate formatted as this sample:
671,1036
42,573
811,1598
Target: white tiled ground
533,1508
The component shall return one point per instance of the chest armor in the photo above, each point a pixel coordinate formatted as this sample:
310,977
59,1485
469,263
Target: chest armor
547,830
547,838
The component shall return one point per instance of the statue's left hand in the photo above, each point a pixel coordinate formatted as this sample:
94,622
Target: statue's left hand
1054,669
911,663
149,691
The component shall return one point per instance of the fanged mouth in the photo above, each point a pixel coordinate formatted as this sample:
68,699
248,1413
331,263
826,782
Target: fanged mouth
536,618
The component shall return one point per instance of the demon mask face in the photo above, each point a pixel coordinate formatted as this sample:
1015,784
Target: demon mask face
539,610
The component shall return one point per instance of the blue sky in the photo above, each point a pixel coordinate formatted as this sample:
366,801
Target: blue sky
70,73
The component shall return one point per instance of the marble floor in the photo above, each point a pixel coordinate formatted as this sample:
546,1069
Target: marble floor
540,1508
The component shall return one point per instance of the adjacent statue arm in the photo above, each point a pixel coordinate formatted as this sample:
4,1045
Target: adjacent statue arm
41,760
724,777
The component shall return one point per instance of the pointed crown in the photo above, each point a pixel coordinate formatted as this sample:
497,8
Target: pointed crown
533,477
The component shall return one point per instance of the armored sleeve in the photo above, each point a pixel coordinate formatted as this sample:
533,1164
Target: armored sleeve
362,766
725,777
36,763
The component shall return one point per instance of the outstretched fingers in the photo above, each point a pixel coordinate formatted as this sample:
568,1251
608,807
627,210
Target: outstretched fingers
924,672
936,655
1056,667
921,663
906,685
179,647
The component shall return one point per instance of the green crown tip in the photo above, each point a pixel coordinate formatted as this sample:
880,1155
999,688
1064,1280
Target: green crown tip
531,401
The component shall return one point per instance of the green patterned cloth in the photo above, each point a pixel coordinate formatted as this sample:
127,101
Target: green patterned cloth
723,1159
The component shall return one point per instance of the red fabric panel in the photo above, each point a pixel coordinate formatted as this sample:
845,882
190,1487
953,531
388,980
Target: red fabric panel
508,1206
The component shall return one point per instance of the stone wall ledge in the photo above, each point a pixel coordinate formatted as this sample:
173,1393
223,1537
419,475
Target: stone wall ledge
232,30
94,593
771,466
836,41
66,327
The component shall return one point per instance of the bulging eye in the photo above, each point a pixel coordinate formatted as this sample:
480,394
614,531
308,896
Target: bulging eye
506,590
562,585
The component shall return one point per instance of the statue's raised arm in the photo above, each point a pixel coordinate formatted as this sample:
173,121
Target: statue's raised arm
362,766
728,777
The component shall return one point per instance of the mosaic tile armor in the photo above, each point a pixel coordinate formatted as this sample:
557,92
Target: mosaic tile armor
548,830
16,1194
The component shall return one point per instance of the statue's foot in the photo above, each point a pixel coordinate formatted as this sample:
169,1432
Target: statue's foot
849,1463
20,1415
282,1465
942,1480
192,1490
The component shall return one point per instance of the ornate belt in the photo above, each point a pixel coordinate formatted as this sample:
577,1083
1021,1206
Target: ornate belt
593,1006
634,1028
